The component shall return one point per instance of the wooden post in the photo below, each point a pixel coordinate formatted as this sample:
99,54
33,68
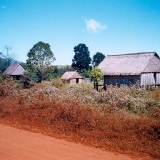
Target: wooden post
105,88
97,86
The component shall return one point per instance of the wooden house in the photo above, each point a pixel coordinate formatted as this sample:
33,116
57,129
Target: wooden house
143,68
72,77
15,70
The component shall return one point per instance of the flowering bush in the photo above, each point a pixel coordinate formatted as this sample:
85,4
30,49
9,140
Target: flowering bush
82,114
133,99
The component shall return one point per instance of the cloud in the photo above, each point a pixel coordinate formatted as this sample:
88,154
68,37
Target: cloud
93,26
3,7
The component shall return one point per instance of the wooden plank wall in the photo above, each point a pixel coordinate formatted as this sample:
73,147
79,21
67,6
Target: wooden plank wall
118,80
157,78
144,79
147,79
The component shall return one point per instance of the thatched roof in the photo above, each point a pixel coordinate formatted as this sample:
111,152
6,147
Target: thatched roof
71,75
15,69
130,64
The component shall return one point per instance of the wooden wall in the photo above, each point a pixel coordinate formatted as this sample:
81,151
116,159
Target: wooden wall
144,79
150,79
122,79
157,78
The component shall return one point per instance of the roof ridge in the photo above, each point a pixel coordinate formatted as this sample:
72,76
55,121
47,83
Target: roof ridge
16,66
73,73
132,53
10,66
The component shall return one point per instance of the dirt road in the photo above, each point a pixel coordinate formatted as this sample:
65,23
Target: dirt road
16,144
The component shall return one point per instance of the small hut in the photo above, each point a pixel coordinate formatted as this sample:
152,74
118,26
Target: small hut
15,70
141,67
72,77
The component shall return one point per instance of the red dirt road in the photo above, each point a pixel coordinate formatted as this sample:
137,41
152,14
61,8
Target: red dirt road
16,144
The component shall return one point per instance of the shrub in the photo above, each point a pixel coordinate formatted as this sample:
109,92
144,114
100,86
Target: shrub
124,119
59,82
7,89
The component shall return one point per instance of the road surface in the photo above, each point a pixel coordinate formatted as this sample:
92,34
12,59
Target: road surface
16,144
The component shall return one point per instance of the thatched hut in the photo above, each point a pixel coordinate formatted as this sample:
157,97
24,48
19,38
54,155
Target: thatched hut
72,77
15,70
131,68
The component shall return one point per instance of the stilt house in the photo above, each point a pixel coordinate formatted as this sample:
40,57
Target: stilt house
72,77
143,68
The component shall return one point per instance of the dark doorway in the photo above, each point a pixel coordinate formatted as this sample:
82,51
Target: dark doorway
18,77
77,80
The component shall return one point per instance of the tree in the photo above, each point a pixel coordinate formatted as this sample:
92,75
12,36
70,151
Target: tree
96,76
40,58
97,58
6,58
81,59
60,70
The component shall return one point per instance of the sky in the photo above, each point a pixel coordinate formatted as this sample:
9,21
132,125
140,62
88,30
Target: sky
106,26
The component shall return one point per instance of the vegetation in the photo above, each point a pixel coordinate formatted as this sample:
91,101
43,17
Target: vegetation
60,70
97,59
81,59
96,74
6,58
124,119
39,60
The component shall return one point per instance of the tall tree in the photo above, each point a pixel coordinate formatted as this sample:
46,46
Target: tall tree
6,58
97,58
81,59
40,58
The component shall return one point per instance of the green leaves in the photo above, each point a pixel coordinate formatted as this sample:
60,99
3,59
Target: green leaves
40,58
96,74
98,58
81,59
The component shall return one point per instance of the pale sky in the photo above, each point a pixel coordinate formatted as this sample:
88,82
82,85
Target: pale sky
106,26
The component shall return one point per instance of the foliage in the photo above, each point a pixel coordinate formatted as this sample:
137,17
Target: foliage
59,83
7,88
4,63
39,60
6,58
60,70
97,58
96,74
85,73
112,120
5,77
81,59
29,79
106,120
114,99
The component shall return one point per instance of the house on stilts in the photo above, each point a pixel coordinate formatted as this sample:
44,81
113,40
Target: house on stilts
142,68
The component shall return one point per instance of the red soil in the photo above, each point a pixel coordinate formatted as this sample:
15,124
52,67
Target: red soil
16,144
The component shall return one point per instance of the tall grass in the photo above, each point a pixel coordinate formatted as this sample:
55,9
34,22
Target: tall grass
124,119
